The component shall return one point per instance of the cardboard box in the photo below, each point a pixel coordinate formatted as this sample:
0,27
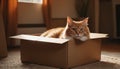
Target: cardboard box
61,53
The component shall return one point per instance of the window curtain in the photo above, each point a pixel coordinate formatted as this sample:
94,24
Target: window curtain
47,12
3,45
82,8
10,19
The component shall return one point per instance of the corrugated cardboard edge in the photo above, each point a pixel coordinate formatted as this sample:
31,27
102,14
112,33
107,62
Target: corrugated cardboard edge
41,39
54,40
98,35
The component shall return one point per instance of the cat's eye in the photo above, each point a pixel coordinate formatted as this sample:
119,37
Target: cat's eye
81,29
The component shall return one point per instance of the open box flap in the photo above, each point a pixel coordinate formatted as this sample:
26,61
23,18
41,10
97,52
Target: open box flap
41,39
98,35
54,40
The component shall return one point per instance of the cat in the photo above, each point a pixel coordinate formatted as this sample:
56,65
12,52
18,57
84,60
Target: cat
73,29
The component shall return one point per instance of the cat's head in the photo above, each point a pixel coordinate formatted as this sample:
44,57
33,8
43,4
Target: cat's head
77,29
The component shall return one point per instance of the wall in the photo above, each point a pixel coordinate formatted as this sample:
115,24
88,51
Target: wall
63,8
30,14
60,9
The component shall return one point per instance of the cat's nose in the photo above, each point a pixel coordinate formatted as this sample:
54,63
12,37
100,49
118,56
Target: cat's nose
76,35
80,35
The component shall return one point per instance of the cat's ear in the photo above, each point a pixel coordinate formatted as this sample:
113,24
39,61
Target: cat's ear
69,20
85,21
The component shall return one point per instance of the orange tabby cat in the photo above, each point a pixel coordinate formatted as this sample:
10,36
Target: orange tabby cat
74,29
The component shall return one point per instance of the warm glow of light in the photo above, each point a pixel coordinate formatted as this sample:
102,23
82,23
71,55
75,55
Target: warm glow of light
31,1
41,1
38,1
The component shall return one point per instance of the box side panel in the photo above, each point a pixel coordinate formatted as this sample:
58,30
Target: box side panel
44,53
83,52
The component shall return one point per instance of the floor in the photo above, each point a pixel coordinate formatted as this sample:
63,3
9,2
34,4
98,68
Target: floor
111,47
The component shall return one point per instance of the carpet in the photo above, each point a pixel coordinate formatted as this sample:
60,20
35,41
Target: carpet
13,62
107,62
